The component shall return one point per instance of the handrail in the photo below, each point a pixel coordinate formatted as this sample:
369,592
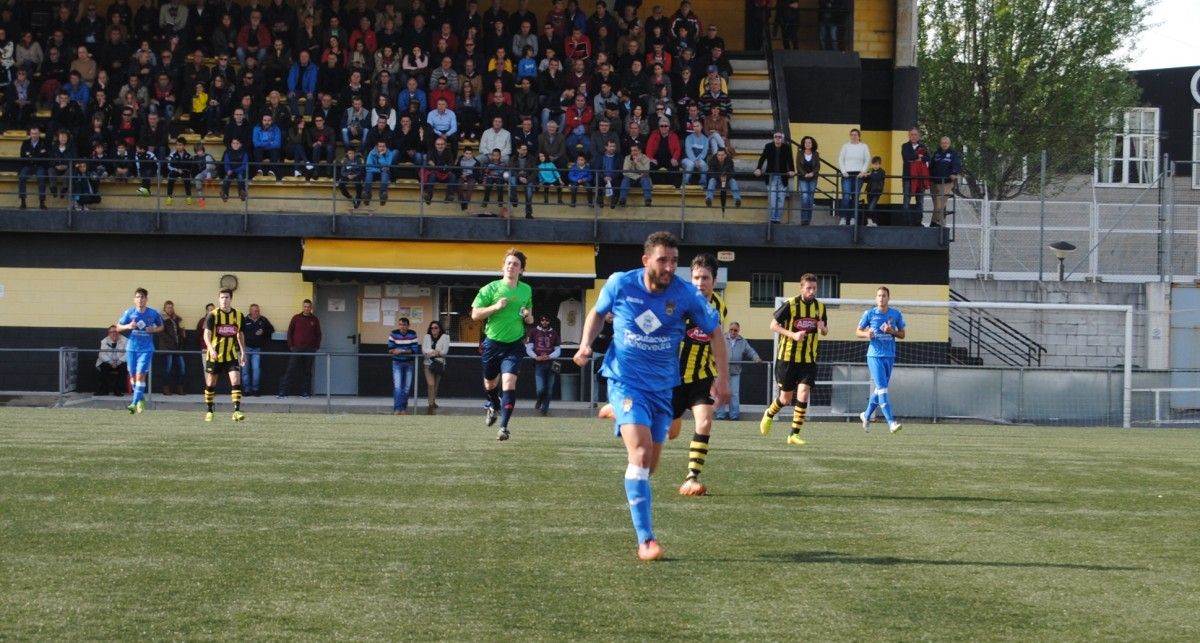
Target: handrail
1001,332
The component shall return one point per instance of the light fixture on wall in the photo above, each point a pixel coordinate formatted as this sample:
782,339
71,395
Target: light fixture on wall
1062,249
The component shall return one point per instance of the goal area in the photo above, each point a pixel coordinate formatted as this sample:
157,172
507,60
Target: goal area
980,361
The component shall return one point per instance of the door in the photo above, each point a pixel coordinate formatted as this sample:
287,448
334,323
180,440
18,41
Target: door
337,308
1185,347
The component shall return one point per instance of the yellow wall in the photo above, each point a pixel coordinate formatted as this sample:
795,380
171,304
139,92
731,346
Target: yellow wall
96,298
874,28
886,144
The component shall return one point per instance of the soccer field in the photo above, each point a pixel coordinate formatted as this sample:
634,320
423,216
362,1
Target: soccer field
305,526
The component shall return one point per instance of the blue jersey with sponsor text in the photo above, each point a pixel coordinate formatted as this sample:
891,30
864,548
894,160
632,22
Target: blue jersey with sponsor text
647,328
882,344
139,339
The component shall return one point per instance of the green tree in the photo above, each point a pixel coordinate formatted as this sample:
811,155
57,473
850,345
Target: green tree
1006,79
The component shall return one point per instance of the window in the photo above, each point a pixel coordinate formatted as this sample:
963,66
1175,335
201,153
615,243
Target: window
828,287
1131,157
764,288
1196,149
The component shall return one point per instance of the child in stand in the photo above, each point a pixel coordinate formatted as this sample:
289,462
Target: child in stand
580,176
122,163
350,174
179,168
874,178
206,170
549,175
468,176
146,165
495,176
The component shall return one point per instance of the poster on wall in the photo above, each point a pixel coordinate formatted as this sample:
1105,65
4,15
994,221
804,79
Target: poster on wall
370,311
391,290
371,292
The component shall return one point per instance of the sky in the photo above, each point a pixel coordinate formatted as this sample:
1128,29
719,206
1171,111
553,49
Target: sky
1172,39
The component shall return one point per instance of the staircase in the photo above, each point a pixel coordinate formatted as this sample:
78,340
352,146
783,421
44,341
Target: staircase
753,115
985,335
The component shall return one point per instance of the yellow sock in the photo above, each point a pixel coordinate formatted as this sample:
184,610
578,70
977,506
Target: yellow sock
798,414
697,452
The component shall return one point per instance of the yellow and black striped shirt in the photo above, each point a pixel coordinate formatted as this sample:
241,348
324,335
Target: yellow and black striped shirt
225,327
695,351
797,314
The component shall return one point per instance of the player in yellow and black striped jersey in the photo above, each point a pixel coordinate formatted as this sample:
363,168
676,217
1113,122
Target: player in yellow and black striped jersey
800,322
224,352
699,357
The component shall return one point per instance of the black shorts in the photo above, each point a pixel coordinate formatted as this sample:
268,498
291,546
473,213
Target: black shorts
501,357
791,374
217,368
685,396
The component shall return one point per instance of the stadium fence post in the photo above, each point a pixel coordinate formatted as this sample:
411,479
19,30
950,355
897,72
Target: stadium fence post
328,382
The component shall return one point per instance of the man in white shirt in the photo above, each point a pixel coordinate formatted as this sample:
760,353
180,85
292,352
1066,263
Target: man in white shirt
114,376
497,138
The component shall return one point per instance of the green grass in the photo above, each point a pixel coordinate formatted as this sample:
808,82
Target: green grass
350,527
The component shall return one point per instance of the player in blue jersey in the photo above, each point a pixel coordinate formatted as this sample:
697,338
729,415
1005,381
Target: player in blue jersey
141,322
883,326
650,308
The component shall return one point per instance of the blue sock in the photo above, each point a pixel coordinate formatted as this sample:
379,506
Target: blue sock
637,491
885,406
871,405
138,390
507,400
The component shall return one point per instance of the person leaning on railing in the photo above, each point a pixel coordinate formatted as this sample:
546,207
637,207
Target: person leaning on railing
944,169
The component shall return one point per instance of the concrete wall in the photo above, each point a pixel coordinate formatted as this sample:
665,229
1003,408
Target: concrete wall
1087,339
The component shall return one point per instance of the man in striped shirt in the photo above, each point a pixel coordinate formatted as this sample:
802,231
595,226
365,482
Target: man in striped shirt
800,322
404,346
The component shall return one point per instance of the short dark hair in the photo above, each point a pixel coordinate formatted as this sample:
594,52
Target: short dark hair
513,252
307,301
225,291
142,291
707,261
884,289
402,320
660,238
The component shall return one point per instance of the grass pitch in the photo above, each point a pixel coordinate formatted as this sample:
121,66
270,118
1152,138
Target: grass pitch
304,526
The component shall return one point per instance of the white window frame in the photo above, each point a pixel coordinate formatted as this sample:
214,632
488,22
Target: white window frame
1130,138
1196,149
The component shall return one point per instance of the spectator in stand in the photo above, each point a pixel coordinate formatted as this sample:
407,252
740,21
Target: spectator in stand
110,363
522,178
469,173
302,83
580,176
721,177
547,176
607,168
665,151
853,159
443,121
578,124
364,34
830,14
915,157
235,167
379,167
944,168
416,65
351,174
695,149
268,146
253,39
303,336
413,92
776,167
356,123
636,170
873,179
179,167
495,176
497,138
34,155
323,151
553,144
601,137
206,170
577,46
438,169
299,148
808,167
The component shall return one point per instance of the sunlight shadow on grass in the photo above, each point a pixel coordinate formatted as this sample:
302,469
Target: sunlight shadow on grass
867,496
833,557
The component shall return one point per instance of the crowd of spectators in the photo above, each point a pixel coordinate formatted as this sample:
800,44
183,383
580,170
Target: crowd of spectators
464,93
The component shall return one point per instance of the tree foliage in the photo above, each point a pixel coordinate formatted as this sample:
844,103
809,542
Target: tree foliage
1006,79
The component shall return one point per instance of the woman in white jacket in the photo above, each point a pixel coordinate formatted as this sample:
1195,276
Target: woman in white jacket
434,347
853,159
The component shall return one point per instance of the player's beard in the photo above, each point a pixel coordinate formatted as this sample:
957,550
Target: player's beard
659,281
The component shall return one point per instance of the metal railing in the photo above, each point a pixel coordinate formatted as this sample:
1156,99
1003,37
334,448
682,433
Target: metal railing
987,333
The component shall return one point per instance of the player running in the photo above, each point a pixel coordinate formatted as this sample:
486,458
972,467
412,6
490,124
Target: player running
799,322
507,305
883,326
142,322
225,352
698,370
650,306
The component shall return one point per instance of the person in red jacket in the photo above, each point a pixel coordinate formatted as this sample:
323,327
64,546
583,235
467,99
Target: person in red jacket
253,39
665,150
303,338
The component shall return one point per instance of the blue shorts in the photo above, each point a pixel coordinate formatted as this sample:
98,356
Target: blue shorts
633,406
881,370
138,361
501,357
